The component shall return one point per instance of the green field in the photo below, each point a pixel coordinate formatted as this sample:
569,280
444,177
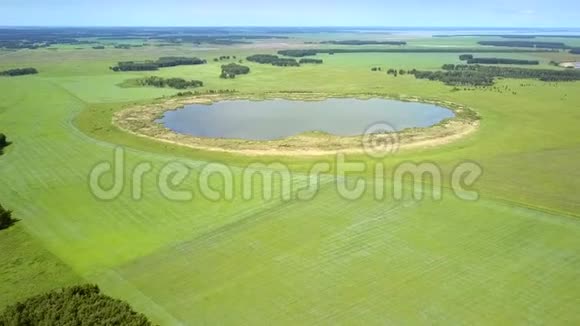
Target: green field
512,257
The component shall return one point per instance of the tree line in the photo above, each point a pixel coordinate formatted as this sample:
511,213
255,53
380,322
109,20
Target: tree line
502,61
232,70
526,44
312,52
77,305
6,219
155,65
313,61
472,60
34,38
477,75
509,36
19,72
396,72
224,57
211,91
273,60
455,78
178,83
575,51
391,71
362,42
223,42
37,43
127,46
179,61
218,39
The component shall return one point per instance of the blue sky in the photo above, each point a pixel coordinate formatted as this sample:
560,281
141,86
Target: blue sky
487,13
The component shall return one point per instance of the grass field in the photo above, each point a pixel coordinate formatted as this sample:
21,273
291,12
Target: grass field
513,257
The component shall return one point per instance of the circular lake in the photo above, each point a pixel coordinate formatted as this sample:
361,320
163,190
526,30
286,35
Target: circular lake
277,119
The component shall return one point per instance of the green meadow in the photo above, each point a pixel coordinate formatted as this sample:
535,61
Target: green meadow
511,257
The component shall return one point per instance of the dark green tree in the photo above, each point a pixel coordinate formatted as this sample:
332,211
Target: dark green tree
77,305
478,75
159,63
6,220
178,83
273,60
316,61
233,69
19,72
502,61
526,44
365,42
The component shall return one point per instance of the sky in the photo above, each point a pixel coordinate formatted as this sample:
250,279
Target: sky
406,13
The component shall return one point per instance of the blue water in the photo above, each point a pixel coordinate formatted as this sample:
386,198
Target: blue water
277,119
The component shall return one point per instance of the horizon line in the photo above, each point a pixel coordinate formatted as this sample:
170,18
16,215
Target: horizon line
286,26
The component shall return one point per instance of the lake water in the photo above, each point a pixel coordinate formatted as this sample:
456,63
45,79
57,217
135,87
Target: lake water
277,119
